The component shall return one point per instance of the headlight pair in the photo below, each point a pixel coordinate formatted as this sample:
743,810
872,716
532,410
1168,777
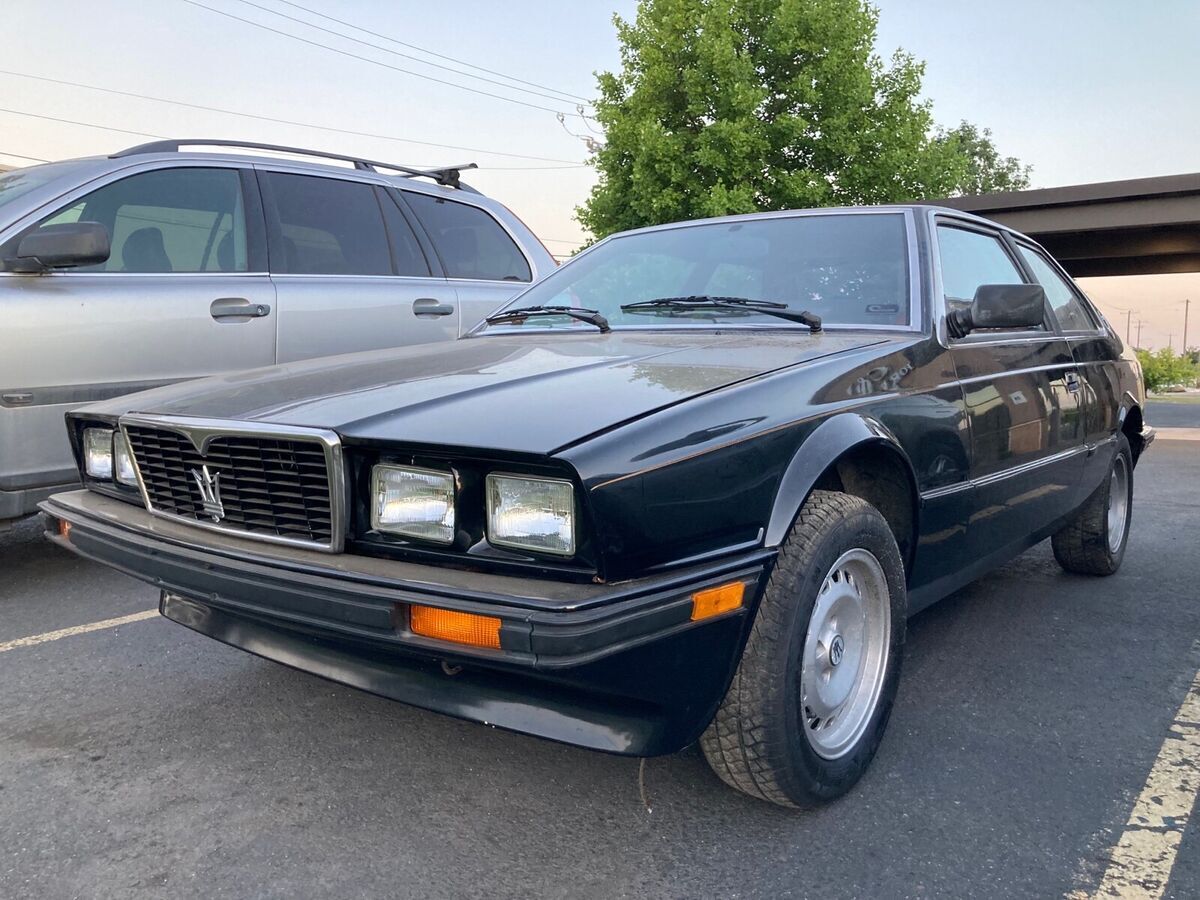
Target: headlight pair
106,452
523,512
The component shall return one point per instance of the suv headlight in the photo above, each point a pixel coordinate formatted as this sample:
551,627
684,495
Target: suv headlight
123,461
98,452
413,502
531,513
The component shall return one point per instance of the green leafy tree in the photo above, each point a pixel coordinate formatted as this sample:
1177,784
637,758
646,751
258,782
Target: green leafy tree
1165,368
733,106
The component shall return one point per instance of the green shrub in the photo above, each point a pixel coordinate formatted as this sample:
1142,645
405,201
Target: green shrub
1166,368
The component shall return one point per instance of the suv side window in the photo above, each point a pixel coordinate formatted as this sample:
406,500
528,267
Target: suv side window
1068,308
325,226
969,259
167,220
470,243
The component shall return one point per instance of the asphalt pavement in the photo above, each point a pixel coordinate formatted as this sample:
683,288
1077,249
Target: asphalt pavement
145,760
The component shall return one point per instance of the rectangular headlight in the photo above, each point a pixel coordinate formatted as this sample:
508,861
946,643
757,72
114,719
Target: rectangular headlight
531,513
413,502
123,461
98,452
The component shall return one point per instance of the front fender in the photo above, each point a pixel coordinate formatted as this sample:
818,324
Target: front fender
831,440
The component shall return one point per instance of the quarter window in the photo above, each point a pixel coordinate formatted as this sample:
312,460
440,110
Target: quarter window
327,226
168,220
470,243
1068,308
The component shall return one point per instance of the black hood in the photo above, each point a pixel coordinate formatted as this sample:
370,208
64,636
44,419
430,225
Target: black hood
525,394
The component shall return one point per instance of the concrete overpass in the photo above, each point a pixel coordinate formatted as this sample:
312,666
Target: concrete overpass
1140,227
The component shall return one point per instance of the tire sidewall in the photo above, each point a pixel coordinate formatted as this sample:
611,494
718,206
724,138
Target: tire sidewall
868,530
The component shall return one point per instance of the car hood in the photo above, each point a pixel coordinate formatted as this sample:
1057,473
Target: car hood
535,393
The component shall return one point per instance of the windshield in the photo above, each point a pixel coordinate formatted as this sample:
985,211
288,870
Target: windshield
849,269
19,182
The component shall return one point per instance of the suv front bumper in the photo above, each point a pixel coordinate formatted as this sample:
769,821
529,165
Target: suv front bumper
620,668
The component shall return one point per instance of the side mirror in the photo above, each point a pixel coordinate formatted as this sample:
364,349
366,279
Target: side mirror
62,247
1000,306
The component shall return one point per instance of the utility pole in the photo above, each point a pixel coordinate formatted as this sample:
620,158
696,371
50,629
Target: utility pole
1128,319
1186,305
1139,340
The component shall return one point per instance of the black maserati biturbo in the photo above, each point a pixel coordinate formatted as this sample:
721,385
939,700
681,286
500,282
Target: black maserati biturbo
687,487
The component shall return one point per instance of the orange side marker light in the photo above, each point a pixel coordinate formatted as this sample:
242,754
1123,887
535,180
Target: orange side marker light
714,601
456,627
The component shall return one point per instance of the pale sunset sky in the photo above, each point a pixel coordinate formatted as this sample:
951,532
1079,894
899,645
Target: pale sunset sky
1083,90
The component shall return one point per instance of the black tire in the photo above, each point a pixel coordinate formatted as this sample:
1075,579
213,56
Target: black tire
1084,544
758,741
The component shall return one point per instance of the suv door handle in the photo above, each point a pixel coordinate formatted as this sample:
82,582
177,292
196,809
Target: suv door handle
238,308
429,306
1072,380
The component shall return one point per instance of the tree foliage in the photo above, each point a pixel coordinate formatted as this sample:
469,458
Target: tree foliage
1165,368
733,106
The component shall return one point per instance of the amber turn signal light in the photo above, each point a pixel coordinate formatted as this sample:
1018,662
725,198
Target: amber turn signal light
714,601
64,529
456,627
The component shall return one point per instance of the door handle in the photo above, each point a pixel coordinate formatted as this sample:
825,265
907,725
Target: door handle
1072,380
429,306
238,308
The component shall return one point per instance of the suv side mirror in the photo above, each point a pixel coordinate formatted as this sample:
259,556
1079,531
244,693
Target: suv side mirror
62,247
1000,306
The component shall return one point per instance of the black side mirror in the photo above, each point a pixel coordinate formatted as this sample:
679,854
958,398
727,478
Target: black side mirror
62,247
1000,306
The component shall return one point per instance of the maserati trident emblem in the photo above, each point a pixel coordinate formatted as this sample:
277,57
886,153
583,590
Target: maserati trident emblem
210,492
837,650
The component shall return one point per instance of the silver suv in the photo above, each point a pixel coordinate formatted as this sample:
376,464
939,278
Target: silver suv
156,265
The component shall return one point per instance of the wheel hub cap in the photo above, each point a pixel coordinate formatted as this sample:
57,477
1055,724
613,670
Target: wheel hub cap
845,653
1118,503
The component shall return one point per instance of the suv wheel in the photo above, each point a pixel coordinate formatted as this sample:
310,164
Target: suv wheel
810,700
1093,542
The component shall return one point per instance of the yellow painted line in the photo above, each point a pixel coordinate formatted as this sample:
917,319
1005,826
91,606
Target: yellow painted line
1178,434
1142,860
35,639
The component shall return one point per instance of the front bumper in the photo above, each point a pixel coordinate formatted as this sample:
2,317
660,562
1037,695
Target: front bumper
620,668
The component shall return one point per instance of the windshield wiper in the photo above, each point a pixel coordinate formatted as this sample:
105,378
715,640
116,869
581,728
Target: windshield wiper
520,314
704,302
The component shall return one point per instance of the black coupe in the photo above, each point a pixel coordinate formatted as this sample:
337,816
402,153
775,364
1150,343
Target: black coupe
687,487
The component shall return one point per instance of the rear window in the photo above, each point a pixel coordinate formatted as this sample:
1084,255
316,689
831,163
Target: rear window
470,243
326,226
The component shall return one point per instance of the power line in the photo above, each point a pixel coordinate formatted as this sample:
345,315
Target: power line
416,59
233,112
452,59
376,62
17,112
23,156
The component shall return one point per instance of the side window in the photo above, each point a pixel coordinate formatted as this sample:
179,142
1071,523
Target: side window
1068,308
969,259
326,226
168,220
469,241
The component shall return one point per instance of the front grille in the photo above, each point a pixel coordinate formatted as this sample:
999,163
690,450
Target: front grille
275,487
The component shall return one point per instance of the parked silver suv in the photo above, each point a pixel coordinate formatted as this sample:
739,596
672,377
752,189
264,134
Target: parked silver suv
157,265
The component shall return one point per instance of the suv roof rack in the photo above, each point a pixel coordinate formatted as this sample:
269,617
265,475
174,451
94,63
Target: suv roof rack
445,175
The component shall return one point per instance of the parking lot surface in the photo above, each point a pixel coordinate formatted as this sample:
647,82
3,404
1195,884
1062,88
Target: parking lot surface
145,760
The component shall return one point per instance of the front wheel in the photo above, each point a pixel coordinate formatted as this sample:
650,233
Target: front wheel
1093,542
810,700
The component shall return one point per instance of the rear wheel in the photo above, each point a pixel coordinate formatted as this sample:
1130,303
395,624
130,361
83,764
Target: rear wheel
811,698
1093,542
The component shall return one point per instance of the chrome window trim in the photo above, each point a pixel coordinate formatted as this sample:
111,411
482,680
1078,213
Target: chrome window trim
202,431
68,274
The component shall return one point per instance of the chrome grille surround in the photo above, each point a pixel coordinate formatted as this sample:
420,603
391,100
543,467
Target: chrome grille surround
201,433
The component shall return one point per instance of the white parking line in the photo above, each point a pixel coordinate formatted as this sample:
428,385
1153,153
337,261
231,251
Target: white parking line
1142,860
35,639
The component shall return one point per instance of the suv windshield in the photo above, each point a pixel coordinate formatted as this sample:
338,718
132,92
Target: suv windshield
847,268
21,181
